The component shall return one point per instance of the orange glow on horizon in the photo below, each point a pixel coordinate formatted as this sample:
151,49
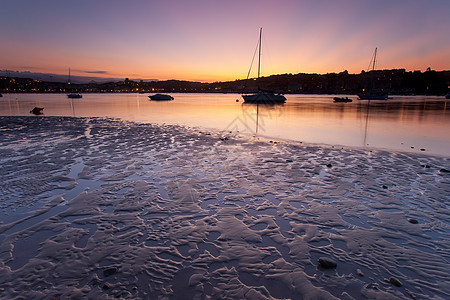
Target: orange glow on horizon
215,42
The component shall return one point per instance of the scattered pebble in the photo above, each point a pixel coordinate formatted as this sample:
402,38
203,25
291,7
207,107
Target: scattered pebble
110,271
106,286
395,281
327,263
413,221
359,272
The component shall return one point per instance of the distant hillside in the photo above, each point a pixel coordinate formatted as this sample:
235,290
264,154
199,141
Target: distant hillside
394,82
61,78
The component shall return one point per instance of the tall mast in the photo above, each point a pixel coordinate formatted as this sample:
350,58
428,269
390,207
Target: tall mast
259,56
68,79
374,59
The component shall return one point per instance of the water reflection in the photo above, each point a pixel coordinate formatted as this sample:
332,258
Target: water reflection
263,111
396,124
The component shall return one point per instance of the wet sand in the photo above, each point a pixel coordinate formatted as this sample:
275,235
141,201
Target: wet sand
102,208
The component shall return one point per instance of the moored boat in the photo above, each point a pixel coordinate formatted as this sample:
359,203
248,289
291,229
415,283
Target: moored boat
263,97
373,95
160,97
342,99
447,96
74,95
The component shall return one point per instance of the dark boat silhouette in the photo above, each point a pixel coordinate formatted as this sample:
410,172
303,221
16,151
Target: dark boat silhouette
37,111
262,97
342,99
160,97
74,95
373,94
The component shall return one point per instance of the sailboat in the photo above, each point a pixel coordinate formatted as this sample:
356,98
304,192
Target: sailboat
263,97
373,94
72,95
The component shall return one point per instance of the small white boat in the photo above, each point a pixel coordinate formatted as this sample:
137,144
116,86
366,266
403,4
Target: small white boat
160,97
74,95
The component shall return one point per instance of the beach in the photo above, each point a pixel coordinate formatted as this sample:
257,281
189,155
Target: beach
104,208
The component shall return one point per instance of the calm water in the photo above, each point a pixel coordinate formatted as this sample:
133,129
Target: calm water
405,123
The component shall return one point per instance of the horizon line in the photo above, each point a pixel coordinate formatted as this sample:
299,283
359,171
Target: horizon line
88,79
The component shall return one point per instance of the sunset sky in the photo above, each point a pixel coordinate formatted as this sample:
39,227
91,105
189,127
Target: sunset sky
215,40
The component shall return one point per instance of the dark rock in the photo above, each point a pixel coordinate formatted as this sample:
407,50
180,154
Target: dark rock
395,281
413,221
106,286
110,271
289,160
444,171
37,111
327,263
422,149
329,166
385,187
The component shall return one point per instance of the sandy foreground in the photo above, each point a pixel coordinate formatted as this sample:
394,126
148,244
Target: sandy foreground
102,208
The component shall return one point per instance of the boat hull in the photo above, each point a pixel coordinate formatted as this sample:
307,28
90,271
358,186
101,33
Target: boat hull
74,96
373,96
264,98
342,100
160,97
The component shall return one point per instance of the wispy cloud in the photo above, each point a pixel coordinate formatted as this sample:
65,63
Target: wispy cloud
96,72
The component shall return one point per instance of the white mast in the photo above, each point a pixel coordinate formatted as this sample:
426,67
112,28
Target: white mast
259,56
